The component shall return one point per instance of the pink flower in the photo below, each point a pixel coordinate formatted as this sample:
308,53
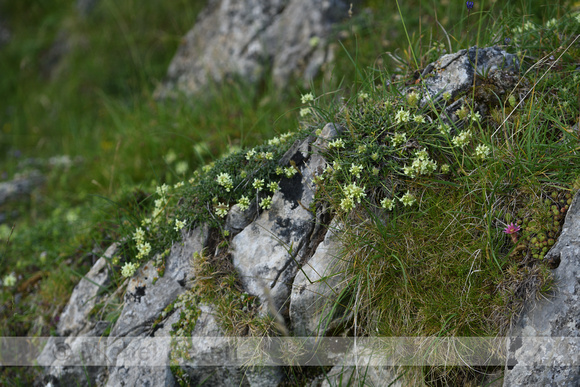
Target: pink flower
512,228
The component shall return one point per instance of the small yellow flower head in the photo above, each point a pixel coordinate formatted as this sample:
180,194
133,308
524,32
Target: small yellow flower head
244,203
265,156
162,190
338,143
445,168
408,199
363,96
347,204
413,99
375,156
258,184
356,170
402,116
444,129
179,225
308,97
139,235
475,116
419,119
144,249
389,204
482,151
398,139
9,280
251,153
361,148
529,26
446,96
463,113
375,171
354,192
221,210
273,186
225,180
128,269
289,172
462,139
266,203
305,111
279,171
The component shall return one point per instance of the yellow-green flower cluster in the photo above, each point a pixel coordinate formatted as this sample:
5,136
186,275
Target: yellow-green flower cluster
422,165
273,186
418,118
265,156
221,209
444,129
356,170
280,140
306,98
143,248
160,205
244,203
9,280
408,199
482,151
402,116
251,153
389,204
129,269
258,184
462,139
338,143
398,139
225,180
179,225
266,203
413,98
353,194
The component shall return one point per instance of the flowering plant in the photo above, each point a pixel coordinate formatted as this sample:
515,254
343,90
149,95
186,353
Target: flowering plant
512,230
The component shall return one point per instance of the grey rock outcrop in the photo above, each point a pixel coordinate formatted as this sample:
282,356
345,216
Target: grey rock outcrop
317,286
248,38
457,73
545,345
267,250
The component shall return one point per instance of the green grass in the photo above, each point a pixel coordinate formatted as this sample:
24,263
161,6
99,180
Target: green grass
96,106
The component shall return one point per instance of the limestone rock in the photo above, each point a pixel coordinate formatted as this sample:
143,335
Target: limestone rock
237,219
545,344
145,299
178,264
265,252
247,38
316,287
454,73
74,320
362,375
